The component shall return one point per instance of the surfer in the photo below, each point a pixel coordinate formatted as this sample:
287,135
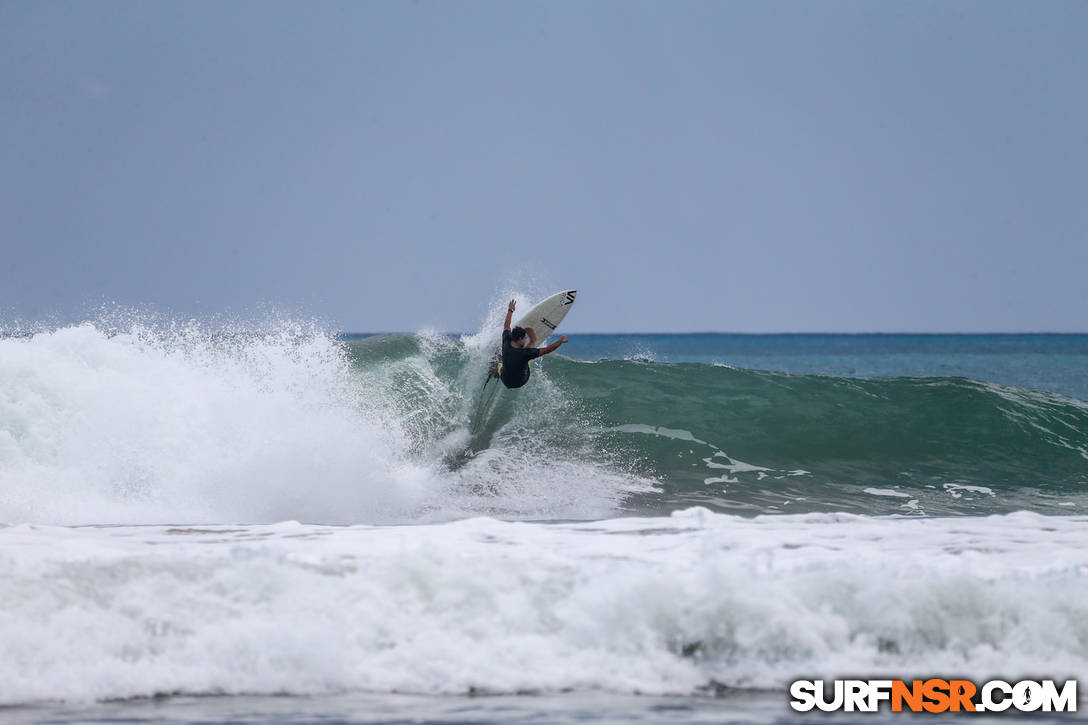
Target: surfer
518,348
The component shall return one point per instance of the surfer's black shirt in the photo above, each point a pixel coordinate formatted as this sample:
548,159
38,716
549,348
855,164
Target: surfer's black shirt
515,362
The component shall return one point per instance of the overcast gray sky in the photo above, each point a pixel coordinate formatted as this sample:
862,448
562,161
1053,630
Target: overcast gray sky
735,166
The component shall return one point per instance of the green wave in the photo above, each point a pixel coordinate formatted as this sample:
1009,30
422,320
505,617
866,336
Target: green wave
901,435
745,440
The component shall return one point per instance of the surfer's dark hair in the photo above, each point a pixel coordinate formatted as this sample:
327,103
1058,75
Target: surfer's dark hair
517,333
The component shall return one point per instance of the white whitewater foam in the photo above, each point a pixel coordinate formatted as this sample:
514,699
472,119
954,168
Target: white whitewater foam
886,492
194,425
955,489
649,605
189,423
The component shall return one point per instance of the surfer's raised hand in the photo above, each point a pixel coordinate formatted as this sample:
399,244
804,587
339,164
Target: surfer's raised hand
512,305
509,314
553,347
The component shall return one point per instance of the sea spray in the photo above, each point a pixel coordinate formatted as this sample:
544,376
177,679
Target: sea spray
148,422
192,424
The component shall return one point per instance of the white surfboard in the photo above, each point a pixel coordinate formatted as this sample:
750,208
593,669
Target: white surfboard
547,314
544,317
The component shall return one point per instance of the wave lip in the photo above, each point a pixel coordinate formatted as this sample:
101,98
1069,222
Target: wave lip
650,605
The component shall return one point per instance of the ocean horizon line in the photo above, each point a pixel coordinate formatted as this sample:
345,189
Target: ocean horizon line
753,334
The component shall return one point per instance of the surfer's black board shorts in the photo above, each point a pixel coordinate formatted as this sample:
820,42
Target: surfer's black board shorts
514,371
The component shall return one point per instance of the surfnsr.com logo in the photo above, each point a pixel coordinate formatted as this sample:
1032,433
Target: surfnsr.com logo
933,695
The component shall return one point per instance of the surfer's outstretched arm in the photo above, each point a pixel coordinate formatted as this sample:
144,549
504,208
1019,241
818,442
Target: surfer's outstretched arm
509,313
551,348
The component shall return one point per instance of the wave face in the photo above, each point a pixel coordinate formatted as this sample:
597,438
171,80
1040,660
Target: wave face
677,605
741,438
761,442
157,423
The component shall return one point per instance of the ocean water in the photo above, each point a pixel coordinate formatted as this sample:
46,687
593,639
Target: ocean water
277,523
1041,361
